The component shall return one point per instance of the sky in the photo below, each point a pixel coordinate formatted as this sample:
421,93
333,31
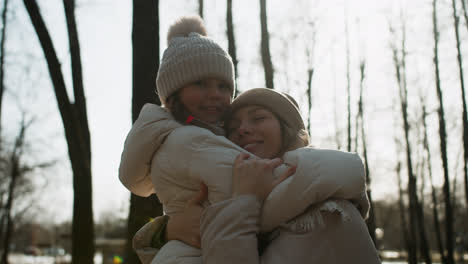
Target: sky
105,36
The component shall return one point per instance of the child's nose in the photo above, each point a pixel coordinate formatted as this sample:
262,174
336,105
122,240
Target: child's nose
213,90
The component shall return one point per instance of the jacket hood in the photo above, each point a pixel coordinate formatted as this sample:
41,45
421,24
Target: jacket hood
147,135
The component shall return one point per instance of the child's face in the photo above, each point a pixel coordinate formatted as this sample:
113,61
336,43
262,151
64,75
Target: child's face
207,99
256,130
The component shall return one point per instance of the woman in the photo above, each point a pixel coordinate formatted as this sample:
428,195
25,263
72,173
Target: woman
330,232
267,124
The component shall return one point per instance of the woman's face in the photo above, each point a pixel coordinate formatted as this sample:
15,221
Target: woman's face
206,99
257,130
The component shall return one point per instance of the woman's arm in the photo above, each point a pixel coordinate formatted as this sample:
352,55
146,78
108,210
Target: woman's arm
321,174
229,228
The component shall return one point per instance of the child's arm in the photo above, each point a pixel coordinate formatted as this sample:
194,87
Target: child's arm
184,227
143,140
143,239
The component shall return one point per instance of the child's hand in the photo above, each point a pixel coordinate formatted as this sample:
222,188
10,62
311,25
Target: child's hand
185,226
255,176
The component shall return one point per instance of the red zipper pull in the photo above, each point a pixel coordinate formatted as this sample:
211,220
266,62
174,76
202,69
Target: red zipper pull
189,119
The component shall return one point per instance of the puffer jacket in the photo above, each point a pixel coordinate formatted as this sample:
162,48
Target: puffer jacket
160,155
336,233
339,235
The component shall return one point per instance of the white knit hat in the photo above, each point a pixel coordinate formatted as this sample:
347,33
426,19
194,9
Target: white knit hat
191,56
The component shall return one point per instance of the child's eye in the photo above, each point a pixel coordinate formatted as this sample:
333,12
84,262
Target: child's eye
224,86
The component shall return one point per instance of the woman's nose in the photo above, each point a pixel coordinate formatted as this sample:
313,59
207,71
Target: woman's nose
244,129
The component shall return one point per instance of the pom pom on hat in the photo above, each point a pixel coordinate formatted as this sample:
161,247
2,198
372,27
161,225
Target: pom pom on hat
186,25
191,56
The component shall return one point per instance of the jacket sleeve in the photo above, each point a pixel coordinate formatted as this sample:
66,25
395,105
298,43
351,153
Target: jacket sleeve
142,240
321,174
228,231
201,156
145,137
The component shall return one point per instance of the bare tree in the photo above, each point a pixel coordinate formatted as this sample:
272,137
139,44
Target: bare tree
310,73
404,225
456,21
2,54
15,174
415,205
416,217
412,225
145,48
465,13
443,141
265,46
200,8
310,49
75,124
371,225
348,82
435,211
231,41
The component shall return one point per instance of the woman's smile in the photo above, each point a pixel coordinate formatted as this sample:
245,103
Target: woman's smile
256,130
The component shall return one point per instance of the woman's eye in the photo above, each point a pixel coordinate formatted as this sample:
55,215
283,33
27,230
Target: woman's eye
259,118
198,83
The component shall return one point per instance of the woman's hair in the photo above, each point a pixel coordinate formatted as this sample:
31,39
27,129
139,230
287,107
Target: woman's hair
291,139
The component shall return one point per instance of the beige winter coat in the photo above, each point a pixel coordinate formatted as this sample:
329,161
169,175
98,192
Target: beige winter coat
162,156
336,234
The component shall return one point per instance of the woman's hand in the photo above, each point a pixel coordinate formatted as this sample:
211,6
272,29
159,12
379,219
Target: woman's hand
255,176
185,226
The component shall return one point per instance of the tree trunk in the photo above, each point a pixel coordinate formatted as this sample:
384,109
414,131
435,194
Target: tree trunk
265,46
462,87
404,226
83,224
371,225
76,132
231,41
416,213
465,13
443,143
399,71
435,211
310,74
348,84
145,41
200,8
2,55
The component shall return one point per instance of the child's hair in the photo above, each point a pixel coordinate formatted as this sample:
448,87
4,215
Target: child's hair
177,108
181,114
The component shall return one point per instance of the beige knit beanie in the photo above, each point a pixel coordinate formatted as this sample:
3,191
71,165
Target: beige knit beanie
281,104
191,56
